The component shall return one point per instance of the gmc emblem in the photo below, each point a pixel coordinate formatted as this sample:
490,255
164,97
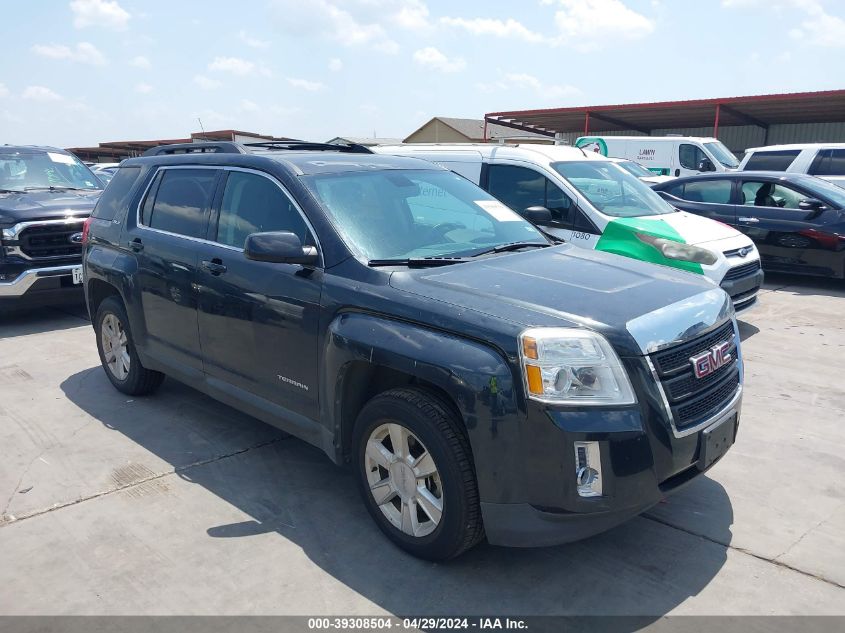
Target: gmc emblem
707,362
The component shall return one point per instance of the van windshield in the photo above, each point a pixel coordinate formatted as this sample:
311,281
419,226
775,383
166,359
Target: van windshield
611,189
722,154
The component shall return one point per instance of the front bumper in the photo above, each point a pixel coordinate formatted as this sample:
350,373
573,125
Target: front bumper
42,284
643,459
743,291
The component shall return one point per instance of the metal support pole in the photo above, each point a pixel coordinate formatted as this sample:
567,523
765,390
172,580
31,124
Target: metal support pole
716,122
586,123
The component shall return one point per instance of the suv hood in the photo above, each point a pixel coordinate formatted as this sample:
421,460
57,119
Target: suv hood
42,205
636,305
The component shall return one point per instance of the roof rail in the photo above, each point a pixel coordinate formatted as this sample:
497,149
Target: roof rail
308,146
195,148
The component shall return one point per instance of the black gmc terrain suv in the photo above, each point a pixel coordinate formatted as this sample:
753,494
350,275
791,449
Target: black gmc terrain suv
480,379
45,196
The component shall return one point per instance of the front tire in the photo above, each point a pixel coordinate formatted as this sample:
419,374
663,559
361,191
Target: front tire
416,475
117,351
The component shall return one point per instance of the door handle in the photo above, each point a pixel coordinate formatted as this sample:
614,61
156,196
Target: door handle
136,245
749,220
215,266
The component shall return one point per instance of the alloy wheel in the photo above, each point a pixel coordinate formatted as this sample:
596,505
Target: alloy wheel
404,480
115,346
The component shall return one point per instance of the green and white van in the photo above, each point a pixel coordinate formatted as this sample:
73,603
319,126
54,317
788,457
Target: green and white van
665,155
595,203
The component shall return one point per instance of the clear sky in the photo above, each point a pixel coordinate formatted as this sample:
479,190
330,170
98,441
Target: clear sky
83,71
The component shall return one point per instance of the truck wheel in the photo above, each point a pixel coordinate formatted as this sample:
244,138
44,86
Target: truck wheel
117,351
416,475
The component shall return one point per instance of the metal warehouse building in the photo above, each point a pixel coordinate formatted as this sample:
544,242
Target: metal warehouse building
739,122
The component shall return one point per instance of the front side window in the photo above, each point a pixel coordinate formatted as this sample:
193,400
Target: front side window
521,188
768,194
777,160
690,156
255,204
611,189
394,214
30,170
182,201
710,191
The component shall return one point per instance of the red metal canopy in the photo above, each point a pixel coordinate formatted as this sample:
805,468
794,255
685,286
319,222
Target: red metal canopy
760,110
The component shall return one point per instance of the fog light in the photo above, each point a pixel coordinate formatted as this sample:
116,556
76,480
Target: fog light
588,469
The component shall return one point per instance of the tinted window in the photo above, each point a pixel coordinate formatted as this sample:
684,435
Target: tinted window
182,200
829,162
768,194
712,191
771,161
255,204
520,188
690,156
675,190
116,195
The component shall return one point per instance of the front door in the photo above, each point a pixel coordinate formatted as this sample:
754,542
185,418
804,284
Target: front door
688,159
258,320
789,238
173,219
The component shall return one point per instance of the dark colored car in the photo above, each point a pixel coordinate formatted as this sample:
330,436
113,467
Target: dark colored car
478,378
46,194
796,221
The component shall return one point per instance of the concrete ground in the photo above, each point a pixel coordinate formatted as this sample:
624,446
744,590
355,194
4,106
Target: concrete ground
177,504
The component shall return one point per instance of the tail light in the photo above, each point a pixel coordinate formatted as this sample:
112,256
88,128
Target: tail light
85,228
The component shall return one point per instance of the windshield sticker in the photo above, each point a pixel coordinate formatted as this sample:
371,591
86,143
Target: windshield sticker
498,210
61,158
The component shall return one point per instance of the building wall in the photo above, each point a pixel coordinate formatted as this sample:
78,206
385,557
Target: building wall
740,137
436,132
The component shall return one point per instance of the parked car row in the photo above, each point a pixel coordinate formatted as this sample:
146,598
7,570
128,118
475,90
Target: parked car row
481,376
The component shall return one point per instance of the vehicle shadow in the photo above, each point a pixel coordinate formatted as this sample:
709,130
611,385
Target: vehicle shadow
15,322
746,330
643,568
805,285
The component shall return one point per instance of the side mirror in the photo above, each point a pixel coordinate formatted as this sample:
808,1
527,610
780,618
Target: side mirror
706,165
279,247
538,215
810,204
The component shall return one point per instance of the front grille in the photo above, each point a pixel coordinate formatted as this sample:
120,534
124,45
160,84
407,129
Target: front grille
744,270
693,400
50,241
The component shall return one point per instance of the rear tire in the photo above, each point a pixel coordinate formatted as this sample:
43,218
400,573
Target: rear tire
416,475
117,351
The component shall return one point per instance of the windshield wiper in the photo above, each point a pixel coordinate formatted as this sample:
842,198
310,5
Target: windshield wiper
10,191
512,246
418,262
58,188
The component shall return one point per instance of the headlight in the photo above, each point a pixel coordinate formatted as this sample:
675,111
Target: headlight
572,366
676,250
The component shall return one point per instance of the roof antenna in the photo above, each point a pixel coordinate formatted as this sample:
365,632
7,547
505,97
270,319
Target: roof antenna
202,128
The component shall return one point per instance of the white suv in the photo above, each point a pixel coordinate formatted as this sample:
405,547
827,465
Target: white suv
825,160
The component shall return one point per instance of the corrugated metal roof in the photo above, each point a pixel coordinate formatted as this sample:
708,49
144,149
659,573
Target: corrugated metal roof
759,110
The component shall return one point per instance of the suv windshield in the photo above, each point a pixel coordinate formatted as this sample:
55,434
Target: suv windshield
401,214
36,169
635,169
722,154
611,189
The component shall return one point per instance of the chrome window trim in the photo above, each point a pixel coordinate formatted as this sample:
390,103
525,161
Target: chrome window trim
200,240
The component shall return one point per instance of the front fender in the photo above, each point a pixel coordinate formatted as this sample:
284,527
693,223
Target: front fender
476,377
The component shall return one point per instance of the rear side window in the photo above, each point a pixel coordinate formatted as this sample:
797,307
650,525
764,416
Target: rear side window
829,162
711,191
117,193
182,201
771,161
255,204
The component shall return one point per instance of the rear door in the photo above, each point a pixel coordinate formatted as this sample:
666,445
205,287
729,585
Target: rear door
171,223
258,320
789,238
710,198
